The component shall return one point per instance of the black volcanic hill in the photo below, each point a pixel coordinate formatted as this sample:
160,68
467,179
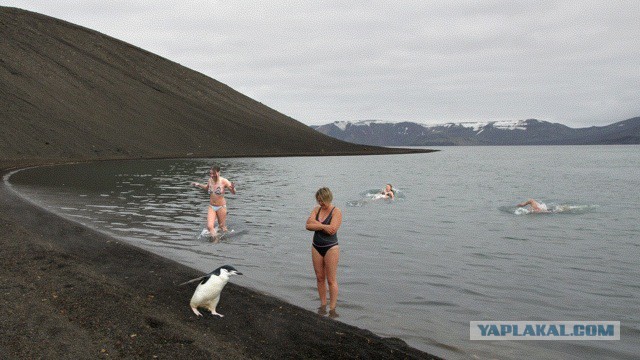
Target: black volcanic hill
67,92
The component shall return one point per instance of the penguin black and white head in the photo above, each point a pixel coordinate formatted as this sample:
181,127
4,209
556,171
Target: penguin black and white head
207,294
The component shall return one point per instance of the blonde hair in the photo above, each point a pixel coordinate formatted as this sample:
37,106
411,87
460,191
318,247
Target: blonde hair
324,194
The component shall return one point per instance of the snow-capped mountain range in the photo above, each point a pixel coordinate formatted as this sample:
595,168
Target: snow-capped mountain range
517,132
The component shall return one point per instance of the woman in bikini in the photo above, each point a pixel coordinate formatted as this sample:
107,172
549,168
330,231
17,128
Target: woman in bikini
388,192
324,221
216,186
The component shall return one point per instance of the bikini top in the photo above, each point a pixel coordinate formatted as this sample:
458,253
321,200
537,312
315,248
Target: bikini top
217,189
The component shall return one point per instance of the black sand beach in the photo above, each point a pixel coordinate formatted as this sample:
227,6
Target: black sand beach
69,292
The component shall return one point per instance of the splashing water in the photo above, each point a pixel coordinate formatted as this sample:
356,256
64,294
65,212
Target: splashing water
552,208
572,209
372,195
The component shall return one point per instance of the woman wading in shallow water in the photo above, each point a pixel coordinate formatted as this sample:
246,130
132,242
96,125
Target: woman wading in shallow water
324,221
216,186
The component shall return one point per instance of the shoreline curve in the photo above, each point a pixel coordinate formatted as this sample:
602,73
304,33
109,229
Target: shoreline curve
70,291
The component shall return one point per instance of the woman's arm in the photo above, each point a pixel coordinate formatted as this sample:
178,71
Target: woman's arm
312,223
201,186
331,228
230,185
335,223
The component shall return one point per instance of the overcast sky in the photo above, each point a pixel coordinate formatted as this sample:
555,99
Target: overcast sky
572,62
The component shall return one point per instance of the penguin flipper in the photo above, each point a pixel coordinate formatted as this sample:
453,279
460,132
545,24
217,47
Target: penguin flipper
193,280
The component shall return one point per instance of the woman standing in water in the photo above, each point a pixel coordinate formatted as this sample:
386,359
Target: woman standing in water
324,221
216,186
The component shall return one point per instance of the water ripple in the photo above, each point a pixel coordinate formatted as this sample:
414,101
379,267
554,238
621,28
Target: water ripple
451,258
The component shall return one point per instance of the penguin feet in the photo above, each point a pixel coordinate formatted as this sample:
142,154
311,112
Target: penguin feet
214,313
195,311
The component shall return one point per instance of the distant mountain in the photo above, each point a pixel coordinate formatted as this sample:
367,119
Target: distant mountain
518,132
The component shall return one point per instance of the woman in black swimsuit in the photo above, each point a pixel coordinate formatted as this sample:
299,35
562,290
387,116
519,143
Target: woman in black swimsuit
324,221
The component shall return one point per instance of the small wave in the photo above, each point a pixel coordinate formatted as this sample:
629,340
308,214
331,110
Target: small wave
204,233
377,194
222,235
515,238
356,203
573,209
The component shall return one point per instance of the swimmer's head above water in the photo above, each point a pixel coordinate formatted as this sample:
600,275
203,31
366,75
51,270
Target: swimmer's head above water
388,191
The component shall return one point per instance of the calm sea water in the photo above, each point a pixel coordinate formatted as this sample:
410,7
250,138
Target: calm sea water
451,249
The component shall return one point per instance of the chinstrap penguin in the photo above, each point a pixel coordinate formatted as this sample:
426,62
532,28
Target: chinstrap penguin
207,294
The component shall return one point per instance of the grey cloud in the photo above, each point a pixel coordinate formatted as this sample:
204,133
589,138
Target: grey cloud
426,61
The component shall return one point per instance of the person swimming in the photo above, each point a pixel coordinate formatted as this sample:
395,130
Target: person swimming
535,206
388,192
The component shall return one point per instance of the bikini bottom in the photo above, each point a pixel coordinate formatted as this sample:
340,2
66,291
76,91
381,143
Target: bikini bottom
216,208
323,249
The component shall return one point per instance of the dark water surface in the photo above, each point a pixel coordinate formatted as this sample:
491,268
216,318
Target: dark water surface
452,249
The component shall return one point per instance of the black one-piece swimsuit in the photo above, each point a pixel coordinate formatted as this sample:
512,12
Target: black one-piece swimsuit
321,240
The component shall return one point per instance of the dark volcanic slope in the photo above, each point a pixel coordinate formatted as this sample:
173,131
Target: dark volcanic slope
67,92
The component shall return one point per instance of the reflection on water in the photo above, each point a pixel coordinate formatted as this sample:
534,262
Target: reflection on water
447,251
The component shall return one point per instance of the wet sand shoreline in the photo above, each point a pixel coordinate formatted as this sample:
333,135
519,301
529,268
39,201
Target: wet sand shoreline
70,292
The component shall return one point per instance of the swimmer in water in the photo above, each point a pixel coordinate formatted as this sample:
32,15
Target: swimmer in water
216,186
535,206
388,192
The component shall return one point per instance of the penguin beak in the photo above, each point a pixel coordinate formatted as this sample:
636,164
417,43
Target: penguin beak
237,273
